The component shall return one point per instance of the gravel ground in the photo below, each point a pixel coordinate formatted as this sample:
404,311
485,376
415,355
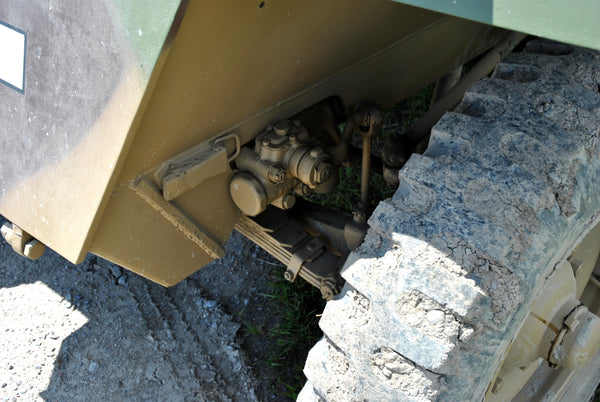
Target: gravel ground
94,331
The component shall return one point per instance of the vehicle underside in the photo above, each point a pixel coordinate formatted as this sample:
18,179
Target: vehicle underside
149,135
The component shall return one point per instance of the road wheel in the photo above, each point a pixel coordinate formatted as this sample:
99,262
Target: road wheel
481,243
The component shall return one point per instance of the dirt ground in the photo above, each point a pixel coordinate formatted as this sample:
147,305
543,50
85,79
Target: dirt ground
94,331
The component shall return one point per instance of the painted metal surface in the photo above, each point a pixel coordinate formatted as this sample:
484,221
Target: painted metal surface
87,68
235,68
111,94
569,302
573,21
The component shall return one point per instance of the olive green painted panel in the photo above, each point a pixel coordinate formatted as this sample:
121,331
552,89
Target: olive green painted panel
573,21
88,67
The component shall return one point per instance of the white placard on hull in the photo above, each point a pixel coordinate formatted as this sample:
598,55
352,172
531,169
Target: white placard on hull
12,56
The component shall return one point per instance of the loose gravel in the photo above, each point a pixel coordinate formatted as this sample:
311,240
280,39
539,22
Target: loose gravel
95,331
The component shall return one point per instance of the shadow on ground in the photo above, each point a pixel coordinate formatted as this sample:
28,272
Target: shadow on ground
96,332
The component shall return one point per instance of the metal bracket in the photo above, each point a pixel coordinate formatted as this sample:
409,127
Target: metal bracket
236,141
307,253
197,234
189,169
304,255
22,242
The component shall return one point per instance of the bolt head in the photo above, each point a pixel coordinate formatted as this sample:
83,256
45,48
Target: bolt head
329,288
276,174
316,152
581,339
322,172
6,231
326,293
34,249
288,201
282,128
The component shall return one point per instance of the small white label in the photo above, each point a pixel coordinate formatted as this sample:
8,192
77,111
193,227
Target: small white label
12,57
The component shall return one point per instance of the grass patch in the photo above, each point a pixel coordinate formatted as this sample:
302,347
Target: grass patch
297,306
396,120
399,118
347,193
